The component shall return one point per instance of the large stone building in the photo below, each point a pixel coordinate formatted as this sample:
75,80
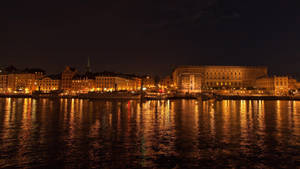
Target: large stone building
194,79
66,78
3,83
277,85
83,83
293,84
166,83
49,83
108,81
25,81
19,81
113,83
149,82
4,72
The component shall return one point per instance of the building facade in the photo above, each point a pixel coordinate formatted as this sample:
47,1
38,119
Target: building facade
83,84
114,83
194,79
23,82
48,83
277,85
293,84
3,83
67,77
166,83
149,82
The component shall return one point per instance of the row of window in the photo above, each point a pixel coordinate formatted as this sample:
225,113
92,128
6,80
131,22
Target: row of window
223,73
223,77
49,85
223,83
282,83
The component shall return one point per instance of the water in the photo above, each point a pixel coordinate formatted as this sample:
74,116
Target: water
71,133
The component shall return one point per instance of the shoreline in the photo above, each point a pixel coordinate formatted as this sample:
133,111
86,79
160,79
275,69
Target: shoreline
138,97
257,97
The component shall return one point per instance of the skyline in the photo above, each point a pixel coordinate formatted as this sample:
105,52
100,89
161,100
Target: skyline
150,37
88,67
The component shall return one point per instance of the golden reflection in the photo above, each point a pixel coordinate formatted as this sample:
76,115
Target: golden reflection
204,106
44,110
186,129
212,120
129,109
8,109
226,119
119,115
65,105
80,111
250,109
294,115
172,111
139,108
243,112
13,110
233,106
7,119
295,106
25,133
250,115
261,115
278,117
168,113
71,123
163,114
296,118
72,106
110,119
233,114
290,114
196,114
33,109
25,109
61,101
243,120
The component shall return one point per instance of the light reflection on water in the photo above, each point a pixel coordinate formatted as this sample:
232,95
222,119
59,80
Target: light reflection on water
73,133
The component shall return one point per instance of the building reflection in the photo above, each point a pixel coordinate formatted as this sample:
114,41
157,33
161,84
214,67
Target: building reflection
296,119
244,122
261,115
7,113
123,133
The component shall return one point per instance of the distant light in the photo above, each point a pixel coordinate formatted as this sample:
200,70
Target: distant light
144,88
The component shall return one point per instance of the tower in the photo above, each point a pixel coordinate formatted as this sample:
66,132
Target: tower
88,67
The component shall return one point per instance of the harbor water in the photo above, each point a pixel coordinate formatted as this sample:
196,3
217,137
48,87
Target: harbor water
76,133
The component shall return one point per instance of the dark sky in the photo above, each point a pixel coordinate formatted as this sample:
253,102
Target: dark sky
150,35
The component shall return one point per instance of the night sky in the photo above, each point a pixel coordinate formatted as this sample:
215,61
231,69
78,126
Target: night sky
150,35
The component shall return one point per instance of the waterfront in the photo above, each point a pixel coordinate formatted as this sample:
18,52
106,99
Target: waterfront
75,133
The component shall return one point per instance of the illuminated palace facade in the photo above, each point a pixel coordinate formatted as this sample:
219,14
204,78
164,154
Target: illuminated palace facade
195,79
